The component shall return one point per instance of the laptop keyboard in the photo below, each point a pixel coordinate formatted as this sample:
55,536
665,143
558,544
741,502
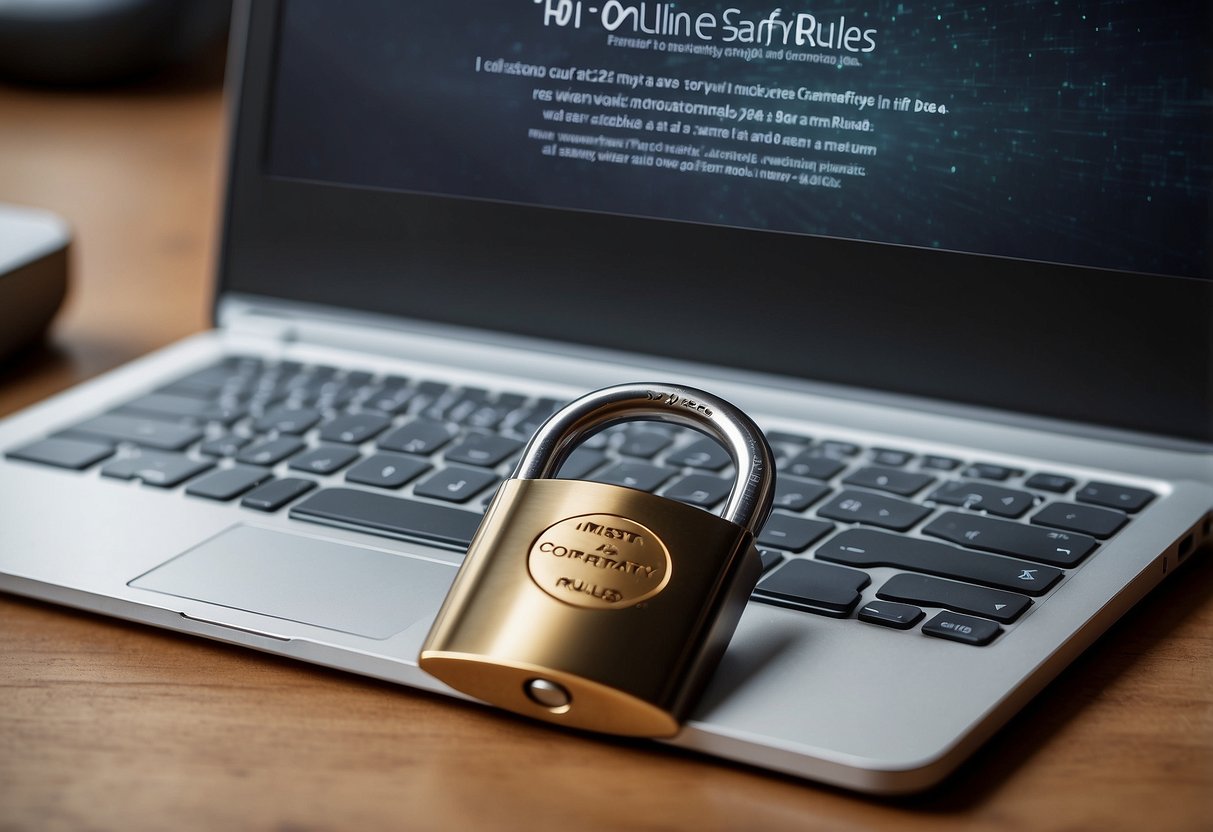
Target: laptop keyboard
972,545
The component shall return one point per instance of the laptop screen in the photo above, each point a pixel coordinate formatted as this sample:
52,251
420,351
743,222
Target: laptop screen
1005,204
1062,132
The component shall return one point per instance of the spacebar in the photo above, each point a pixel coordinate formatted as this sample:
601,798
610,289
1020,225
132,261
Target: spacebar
389,516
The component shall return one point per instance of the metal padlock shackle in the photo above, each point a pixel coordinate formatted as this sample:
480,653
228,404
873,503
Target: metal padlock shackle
750,500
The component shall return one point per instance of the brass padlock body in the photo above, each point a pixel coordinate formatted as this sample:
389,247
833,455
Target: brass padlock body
631,650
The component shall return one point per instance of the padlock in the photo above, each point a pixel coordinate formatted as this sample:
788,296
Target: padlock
598,606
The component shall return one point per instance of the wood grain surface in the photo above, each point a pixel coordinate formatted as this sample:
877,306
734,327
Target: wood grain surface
111,725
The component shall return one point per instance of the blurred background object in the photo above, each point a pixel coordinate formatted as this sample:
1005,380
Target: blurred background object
90,42
111,118
33,274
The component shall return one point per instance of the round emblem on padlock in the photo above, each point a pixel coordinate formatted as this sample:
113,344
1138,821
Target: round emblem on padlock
599,561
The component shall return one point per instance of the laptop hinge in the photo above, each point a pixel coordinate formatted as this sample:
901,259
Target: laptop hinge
285,326
261,325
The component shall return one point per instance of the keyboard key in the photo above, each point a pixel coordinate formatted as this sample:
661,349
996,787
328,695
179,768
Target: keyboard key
158,468
169,406
316,375
1097,522
527,420
702,453
963,628
813,586
889,614
205,383
228,444
638,475
468,403
389,516
513,401
796,494
63,452
149,433
904,483
770,559
1056,483
703,490
645,444
391,399
294,420
835,448
228,483
1004,537
792,534
358,378
580,463
277,493
428,393
452,404
420,436
455,484
491,415
487,416
874,510
1005,502
387,470
867,548
1114,496
332,395
891,457
939,463
487,450
354,428
271,386
926,591
988,471
271,451
813,465
324,459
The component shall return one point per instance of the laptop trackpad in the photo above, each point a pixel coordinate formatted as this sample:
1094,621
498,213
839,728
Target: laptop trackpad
338,586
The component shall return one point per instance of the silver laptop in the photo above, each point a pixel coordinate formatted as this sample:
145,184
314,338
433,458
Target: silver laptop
956,265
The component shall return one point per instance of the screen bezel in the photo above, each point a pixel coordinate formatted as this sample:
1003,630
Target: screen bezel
1117,349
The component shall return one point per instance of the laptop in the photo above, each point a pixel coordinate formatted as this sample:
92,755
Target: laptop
955,263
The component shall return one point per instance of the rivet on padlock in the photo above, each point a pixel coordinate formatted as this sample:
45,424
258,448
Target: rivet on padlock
598,606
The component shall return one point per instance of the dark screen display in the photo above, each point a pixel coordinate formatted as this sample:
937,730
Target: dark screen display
1075,133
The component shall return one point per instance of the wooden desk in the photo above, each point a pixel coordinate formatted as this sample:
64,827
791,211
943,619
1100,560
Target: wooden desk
105,724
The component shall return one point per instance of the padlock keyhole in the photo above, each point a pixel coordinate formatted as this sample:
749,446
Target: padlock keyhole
548,694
